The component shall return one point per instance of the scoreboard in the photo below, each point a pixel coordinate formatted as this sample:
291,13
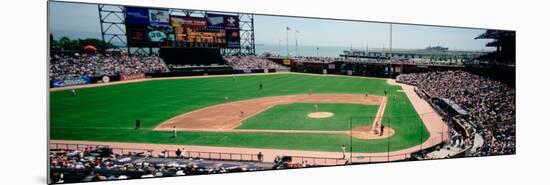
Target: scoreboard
147,27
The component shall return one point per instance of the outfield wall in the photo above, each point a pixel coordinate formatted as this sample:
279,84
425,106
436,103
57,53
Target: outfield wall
85,80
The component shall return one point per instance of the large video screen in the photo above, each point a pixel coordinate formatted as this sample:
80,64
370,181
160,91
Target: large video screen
195,32
196,92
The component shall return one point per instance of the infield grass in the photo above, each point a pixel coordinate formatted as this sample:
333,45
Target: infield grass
108,113
294,116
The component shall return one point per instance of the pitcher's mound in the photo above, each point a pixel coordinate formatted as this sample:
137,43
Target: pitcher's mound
320,115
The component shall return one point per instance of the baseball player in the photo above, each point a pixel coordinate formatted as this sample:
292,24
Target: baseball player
343,151
174,132
73,91
261,86
242,113
315,107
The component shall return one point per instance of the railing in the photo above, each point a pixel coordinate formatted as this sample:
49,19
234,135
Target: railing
222,156
65,146
380,158
169,153
321,161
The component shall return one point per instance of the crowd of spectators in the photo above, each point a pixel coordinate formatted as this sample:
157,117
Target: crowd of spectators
100,65
251,62
100,164
490,104
322,60
500,139
374,60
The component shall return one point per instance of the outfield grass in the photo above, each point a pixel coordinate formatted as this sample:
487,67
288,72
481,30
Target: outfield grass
108,113
294,117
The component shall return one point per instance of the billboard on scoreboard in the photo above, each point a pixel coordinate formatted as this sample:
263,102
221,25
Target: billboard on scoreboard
215,21
231,22
137,36
137,16
233,39
159,17
192,22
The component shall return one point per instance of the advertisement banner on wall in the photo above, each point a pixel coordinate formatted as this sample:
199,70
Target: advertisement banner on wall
159,17
131,76
215,21
137,16
233,39
286,62
71,81
191,22
231,22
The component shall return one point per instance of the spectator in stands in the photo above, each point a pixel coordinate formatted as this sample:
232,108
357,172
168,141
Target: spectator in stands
100,65
178,153
78,166
490,104
260,157
252,62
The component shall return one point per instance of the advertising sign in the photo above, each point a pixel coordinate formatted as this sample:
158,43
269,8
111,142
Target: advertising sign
132,76
192,22
286,62
231,22
215,21
71,81
137,16
159,17
233,39
137,35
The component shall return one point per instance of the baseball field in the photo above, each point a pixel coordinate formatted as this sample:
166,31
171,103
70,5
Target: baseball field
234,111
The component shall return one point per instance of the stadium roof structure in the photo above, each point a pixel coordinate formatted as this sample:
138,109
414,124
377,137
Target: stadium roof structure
505,44
496,34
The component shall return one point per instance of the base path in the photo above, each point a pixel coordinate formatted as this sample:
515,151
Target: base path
228,116
434,123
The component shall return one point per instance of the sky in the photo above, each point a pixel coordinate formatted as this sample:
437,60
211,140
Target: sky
82,21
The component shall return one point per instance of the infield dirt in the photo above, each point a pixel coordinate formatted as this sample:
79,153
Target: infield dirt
228,116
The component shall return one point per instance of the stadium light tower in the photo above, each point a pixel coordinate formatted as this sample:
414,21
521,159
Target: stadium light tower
287,29
389,51
296,39
279,47
317,52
